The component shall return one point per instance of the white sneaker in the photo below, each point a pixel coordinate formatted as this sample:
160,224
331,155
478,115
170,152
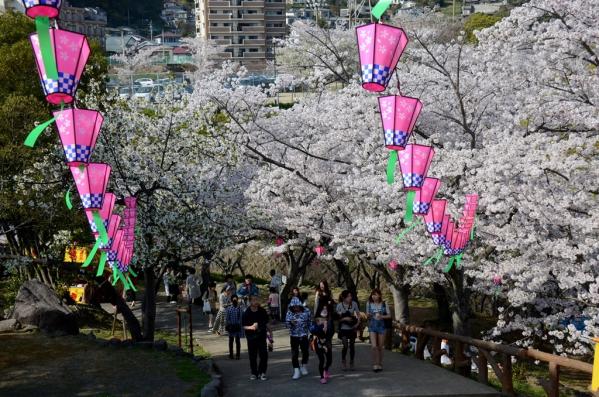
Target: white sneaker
304,370
296,374
263,377
253,377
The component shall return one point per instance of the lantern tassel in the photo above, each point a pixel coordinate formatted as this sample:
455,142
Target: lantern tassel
458,261
67,199
91,254
101,264
449,264
123,280
391,165
100,226
409,207
36,132
42,26
131,283
380,8
406,231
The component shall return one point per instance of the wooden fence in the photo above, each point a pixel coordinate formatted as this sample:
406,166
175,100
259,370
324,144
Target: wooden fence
501,361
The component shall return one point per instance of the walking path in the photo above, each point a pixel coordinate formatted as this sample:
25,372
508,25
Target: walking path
403,376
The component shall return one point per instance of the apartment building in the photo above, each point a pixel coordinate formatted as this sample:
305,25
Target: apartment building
91,21
245,28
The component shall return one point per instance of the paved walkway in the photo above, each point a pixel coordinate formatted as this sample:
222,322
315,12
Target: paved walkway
403,376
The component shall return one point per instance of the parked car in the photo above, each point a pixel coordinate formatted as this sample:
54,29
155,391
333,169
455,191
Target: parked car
143,92
145,82
125,92
158,92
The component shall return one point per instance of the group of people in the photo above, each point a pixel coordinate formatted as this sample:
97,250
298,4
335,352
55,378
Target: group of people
238,313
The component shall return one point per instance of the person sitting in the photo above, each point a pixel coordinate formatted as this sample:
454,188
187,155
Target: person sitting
248,288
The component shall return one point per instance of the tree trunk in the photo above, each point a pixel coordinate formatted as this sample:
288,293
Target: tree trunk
149,306
401,294
443,311
459,294
130,319
348,280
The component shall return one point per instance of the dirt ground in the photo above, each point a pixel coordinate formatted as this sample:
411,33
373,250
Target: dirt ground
36,365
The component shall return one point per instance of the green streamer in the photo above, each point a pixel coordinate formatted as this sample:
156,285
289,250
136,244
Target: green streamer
472,231
449,264
407,230
131,283
67,199
36,132
91,254
132,272
123,280
42,26
379,9
407,218
100,226
101,264
434,258
115,278
391,165
458,261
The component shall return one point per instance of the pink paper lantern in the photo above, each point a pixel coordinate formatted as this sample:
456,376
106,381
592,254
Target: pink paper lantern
78,130
71,52
393,264
111,229
439,238
398,116
380,47
105,212
131,202
279,241
414,163
434,218
426,194
319,250
112,252
42,8
497,280
91,181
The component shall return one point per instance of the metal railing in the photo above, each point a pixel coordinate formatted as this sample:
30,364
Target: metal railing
500,362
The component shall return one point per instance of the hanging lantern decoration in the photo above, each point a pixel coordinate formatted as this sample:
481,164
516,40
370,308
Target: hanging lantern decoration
105,212
434,218
398,116
279,241
425,196
439,238
380,47
393,265
91,181
319,250
69,51
78,130
414,163
113,226
42,8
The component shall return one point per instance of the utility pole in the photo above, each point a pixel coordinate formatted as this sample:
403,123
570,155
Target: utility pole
453,12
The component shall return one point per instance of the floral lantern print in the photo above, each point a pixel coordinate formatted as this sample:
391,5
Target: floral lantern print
414,162
78,130
380,47
91,181
70,52
398,116
42,8
426,194
434,218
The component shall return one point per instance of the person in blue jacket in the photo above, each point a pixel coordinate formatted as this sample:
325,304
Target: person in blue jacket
298,320
248,288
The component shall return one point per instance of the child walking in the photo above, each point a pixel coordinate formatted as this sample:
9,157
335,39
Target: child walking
298,321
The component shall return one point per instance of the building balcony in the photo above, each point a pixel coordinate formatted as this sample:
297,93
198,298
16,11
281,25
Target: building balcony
219,17
221,41
219,29
253,29
254,55
254,42
253,17
219,3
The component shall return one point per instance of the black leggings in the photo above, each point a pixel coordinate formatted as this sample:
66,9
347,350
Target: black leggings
257,349
297,343
348,342
325,357
237,344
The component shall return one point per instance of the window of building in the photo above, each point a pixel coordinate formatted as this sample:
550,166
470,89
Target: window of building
253,50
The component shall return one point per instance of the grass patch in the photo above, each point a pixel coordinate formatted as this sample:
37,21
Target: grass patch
449,10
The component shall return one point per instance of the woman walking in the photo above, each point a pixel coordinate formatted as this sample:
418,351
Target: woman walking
234,328
323,319
210,297
298,321
255,325
377,312
348,313
192,286
224,301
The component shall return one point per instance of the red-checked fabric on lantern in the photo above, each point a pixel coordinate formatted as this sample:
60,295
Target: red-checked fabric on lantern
71,52
78,130
426,194
380,47
91,181
42,8
414,162
398,116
